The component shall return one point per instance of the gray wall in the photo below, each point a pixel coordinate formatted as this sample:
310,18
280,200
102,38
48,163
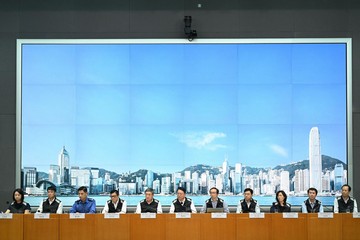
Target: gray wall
164,19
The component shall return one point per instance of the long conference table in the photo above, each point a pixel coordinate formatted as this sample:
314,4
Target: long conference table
167,226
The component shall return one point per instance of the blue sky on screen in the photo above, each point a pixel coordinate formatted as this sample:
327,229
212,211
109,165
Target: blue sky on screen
166,107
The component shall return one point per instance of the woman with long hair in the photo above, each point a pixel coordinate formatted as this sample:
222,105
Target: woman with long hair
280,205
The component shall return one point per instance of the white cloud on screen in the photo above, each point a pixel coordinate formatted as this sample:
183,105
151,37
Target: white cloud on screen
201,140
279,150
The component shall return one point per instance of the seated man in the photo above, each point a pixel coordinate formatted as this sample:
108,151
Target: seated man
149,204
84,204
345,203
312,205
248,204
182,203
214,202
51,204
115,204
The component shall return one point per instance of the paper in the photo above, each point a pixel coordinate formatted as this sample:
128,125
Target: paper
42,216
6,215
218,215
77,215
148,215
111,215
356,215
256,215
183,215
290,215
326,215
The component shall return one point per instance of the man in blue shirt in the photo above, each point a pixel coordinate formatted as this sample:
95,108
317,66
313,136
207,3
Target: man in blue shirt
84,204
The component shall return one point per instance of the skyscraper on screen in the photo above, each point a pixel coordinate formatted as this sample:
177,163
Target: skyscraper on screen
315,159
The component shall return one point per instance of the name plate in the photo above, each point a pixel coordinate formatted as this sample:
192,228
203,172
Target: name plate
256,215
42,216
326,215
148,215
218,215
111,215
6,215
356,215
182,215
77,215
290,215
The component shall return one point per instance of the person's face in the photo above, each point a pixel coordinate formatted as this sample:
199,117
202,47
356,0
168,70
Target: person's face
345,191
312,195
82,195
114,197
180,195
213,194
247,195
149,196
17,197
280,197
51,194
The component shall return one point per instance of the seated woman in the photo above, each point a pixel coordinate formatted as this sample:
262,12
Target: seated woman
280,205
18,205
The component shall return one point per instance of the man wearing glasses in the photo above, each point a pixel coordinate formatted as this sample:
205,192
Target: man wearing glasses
214,203
115,204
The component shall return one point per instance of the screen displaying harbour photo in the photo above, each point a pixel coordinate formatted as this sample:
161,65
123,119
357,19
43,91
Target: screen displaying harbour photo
269,116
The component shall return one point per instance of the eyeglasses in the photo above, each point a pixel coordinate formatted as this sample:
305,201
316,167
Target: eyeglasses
113,196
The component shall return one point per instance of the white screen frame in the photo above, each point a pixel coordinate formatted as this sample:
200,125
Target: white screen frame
20,42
